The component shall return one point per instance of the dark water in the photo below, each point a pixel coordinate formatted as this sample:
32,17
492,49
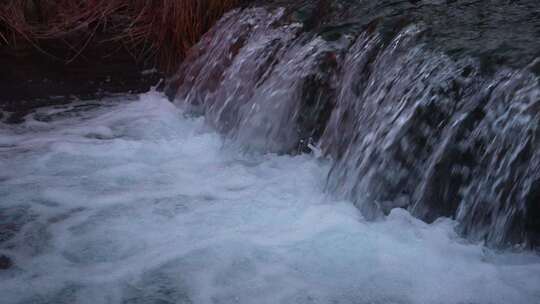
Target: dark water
31,79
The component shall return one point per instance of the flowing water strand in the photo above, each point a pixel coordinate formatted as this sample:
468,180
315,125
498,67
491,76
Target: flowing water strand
406,125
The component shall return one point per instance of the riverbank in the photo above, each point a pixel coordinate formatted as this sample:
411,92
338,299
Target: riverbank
56,52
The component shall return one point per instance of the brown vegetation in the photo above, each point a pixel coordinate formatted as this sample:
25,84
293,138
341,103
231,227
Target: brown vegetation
160,30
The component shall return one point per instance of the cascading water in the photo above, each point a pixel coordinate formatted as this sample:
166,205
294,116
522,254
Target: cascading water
248,77
405,125
326,127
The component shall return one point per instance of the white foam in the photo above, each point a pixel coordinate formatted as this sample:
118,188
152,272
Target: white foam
132,202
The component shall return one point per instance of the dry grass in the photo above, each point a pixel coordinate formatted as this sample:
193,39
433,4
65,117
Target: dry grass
150,29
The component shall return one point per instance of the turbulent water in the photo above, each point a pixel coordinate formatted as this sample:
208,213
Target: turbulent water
347,151
132,201
407,122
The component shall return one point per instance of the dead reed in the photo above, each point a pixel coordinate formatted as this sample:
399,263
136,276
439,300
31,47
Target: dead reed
160,30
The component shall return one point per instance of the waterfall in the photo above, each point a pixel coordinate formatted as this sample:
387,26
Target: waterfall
405,124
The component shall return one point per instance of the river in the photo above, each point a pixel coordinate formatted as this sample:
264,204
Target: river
131,200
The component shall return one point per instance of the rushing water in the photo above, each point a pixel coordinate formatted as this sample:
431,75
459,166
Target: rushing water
132,201
350,151
406,124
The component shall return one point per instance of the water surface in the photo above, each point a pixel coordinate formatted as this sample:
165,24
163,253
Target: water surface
132,201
